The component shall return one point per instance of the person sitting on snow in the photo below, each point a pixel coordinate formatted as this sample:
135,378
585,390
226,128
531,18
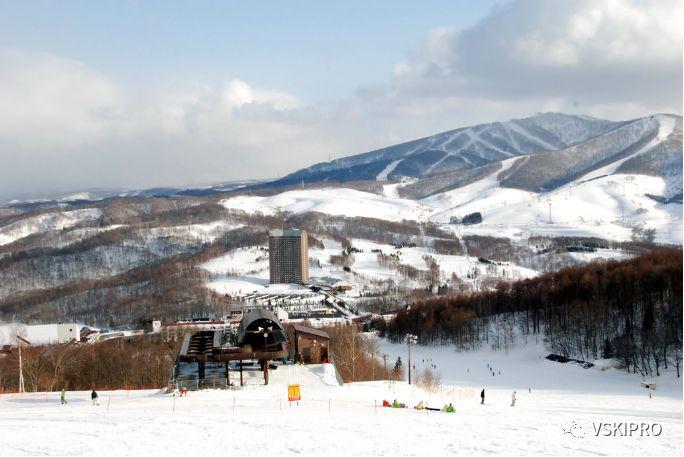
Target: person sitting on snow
386,404
420,405
450,408
395,404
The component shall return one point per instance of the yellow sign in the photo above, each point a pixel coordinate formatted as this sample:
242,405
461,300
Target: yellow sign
293,392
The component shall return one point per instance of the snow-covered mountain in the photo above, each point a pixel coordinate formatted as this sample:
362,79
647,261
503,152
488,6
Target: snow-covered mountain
618,151
95,195
541,185
460,149
556,149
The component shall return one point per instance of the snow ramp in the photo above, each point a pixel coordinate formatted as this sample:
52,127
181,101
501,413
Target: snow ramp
312,376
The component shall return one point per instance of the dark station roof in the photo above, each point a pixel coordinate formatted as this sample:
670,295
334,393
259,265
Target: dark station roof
255,318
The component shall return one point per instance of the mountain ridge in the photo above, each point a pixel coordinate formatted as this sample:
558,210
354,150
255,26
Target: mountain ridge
559,146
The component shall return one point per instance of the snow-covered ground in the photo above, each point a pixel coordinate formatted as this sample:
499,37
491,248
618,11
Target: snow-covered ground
44,222
605,206
195,232
245,270
348,420
338,201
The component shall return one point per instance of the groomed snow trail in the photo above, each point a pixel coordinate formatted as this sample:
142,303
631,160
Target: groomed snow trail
342,420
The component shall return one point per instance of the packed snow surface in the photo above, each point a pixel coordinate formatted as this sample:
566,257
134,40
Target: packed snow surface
345,202
348,420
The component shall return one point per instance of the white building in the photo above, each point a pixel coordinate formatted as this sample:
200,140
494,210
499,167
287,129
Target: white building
40,334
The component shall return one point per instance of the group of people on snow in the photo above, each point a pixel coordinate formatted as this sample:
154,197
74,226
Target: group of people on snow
513,397
93,397
446,408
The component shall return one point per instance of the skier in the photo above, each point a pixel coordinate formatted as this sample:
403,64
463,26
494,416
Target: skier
513,398
482,395
93,397
62,396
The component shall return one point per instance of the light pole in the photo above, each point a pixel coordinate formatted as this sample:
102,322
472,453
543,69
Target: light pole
410,340
21,372
265,360
21,364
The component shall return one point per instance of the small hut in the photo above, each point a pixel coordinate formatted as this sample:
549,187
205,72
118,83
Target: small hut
308,345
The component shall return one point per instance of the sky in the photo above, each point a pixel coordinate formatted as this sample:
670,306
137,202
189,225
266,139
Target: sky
133,94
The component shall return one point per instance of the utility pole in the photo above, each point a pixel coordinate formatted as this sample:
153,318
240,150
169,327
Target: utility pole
410,340
550,218
21,340
384,361
21,371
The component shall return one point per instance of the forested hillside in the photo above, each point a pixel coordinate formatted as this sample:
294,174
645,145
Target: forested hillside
630,310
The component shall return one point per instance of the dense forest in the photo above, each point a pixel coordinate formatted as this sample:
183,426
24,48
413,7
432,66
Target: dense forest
628,310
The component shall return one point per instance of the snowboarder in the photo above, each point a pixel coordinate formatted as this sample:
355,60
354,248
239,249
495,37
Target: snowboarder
93,397
513,398
482,395
62,396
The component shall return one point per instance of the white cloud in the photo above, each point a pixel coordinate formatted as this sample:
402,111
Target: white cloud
65,126
49,101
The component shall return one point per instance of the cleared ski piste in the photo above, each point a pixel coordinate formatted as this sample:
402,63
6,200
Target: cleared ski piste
349,419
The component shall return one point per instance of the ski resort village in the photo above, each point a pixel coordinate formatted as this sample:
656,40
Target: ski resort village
341,228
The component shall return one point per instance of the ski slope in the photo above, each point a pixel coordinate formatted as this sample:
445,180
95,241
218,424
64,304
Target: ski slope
348,420
605,206
336,201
